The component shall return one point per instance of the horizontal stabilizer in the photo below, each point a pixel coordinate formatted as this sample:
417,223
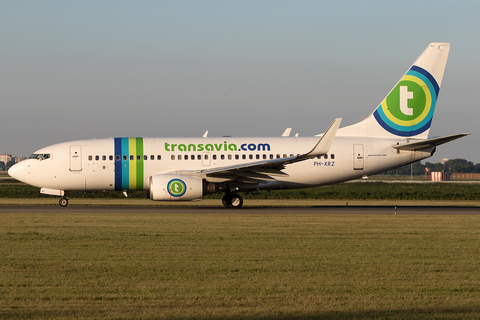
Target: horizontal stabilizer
429,142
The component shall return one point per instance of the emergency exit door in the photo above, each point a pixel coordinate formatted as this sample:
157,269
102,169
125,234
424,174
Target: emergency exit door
358,157
75,158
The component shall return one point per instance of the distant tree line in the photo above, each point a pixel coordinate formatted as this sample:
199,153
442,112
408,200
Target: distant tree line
452,166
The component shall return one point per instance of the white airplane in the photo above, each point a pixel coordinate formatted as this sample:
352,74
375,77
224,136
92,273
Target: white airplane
184,169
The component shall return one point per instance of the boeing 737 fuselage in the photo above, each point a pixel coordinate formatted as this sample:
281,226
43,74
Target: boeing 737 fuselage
185,169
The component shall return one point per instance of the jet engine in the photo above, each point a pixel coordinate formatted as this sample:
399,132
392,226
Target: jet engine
176,187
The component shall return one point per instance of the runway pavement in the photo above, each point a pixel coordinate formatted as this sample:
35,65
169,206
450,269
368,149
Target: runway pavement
244,210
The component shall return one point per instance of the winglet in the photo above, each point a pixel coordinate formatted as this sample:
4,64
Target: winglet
286,133
325,142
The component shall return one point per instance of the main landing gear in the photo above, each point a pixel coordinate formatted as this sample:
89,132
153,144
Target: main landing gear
232,200
63,202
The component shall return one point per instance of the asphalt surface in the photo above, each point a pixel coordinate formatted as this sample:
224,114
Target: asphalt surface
244,210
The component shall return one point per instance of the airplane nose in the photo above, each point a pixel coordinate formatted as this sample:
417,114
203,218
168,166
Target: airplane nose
17,171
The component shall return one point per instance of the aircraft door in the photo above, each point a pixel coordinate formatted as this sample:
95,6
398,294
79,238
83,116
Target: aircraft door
358,157
206,158
75,158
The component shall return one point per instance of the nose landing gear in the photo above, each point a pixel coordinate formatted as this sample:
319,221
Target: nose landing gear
63,202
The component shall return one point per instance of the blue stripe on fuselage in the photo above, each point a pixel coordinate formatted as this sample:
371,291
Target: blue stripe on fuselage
118,163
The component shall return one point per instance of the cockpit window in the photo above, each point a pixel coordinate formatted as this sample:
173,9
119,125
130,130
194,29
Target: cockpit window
40,156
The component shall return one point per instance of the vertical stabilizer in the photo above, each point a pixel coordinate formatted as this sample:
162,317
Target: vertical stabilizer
407,111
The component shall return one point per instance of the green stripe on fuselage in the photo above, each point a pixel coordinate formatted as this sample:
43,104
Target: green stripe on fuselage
139,164
135,148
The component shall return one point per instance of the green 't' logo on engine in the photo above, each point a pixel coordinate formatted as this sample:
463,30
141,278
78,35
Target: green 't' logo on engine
176,187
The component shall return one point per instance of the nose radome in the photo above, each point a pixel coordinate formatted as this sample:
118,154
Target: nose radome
17,171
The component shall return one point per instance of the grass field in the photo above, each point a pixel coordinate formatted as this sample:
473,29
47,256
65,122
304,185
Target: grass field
239,266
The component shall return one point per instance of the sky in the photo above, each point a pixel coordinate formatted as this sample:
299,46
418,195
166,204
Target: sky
72,70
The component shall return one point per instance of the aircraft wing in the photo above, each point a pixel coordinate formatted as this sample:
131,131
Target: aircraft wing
266,170
411,146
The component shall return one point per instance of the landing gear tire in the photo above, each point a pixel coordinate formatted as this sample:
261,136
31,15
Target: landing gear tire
232,201
63,202
236,201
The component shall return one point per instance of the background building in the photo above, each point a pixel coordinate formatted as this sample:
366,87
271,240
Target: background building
5,158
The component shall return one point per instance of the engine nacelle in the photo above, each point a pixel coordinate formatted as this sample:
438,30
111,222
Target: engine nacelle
175,187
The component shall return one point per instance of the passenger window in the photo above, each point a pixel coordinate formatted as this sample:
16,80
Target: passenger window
159,157
244,156
131,157
214,157
278,156
179,157
237,157
173,157
124,157
192,157
250,156
152,157
332,156
145,157
199,157
97,158
271,156
110,157
118,157
325,156
90,158
222,157
257,156
206,157
104,158
229,157
138,157
284,155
